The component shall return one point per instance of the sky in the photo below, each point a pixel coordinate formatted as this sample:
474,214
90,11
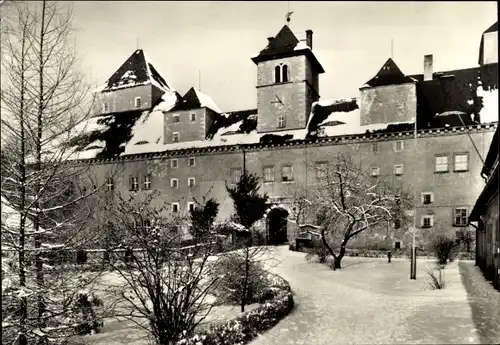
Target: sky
209,44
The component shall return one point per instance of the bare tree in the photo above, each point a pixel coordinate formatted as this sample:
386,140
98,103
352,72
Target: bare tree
347,201
44,99
164,284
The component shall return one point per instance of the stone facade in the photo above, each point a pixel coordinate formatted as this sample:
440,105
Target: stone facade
213,168
123,100
191,125
390,103
292,99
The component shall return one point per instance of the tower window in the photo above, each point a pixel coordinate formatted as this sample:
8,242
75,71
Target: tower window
277,74
175,118
281,122
175,137
105,107
193,117
284,73
138,102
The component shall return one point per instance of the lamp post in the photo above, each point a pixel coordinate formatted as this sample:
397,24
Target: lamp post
413,266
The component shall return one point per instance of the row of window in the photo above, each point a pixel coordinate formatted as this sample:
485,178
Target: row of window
281,73
137,104
460,218
397,145
269,174
174,182
460,162
176,118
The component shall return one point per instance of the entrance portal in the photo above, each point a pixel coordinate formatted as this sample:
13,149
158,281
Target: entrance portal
277,226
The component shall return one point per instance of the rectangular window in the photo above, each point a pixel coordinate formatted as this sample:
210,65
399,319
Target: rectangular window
191,182
191,161
397,223
427,221
269,174
175,118
235,175
461,161
441,163
174,163
110,185
427,198
375,171
398,169
397,245
460,216
146,184
174,183
281,122
193,117
175,137
175,207
134,183
138,102
375,147
286,173
190,206
398,146
105,107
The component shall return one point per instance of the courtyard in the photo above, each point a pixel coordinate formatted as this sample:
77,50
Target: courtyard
369,301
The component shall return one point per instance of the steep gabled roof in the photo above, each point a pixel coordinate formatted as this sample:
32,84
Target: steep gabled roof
136,70
286,44
493,28
389,74
194,99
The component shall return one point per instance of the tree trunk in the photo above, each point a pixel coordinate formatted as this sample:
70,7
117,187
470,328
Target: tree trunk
245,279
325,242
337,259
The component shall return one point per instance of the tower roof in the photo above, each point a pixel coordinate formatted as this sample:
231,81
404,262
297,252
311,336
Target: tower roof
194,99
136,70
389,74
493,28
286,44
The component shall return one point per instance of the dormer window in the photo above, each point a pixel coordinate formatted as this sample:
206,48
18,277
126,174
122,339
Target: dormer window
281,74
138,102
105,107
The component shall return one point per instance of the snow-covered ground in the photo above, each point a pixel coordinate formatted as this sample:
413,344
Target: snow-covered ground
370,302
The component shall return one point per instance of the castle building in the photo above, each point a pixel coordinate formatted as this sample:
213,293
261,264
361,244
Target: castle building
185,147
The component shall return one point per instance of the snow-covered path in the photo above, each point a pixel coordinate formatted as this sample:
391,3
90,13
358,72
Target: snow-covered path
369,301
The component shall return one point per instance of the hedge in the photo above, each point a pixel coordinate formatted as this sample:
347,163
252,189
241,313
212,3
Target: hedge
247,326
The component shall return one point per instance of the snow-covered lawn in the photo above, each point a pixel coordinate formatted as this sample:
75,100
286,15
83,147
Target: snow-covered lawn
370,301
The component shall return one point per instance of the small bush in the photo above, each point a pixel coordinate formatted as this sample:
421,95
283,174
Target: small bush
318,252
443,249
436,281
230,287
248,325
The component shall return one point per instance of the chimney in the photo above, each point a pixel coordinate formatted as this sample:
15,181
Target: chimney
270,39
309,38
428,67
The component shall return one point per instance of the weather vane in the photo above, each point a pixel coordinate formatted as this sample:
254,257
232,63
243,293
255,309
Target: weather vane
288,15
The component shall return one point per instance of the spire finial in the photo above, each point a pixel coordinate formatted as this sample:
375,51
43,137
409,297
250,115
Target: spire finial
288,15
137,42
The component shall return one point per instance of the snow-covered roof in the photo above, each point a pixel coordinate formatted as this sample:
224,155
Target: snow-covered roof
137,70
206,101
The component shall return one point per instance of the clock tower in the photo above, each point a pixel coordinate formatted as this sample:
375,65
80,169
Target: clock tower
287,82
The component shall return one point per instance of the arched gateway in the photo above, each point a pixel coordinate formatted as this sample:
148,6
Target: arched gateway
276,224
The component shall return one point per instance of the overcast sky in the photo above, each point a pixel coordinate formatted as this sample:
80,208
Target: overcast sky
351,40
